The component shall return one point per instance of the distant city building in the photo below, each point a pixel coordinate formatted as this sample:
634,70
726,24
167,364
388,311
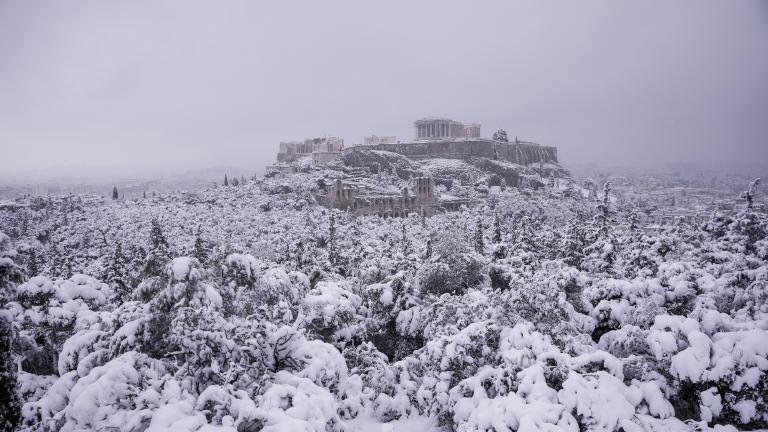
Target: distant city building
376,140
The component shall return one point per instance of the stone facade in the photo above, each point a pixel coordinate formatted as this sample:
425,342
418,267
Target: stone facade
422,200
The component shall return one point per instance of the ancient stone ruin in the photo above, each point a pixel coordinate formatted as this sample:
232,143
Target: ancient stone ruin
363,200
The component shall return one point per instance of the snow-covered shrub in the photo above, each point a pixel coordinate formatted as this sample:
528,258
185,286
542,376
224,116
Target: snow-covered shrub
727,369
214,350
296,403
453,276
330,312
119,394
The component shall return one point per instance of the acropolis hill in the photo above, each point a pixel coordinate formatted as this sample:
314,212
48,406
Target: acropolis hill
445,156
434,138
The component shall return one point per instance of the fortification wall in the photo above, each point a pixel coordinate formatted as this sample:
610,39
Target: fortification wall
519,153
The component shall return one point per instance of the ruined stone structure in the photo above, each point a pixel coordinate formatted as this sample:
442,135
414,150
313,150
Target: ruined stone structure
437,129
423,201
321,149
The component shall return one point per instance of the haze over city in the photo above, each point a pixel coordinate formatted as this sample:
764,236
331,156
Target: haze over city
153,86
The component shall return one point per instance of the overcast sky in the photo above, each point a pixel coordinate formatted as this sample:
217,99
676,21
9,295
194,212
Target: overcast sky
188,84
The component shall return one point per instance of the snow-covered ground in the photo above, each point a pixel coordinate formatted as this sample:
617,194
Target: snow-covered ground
252,308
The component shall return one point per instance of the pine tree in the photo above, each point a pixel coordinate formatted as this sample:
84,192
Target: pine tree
202,249
156,237
332,239
145,195
601,253
10,403
499,251
299,254
65,261
479,244
159,251
34,262
428,252
226,181
116,273
574,241
633,219
500,136
404,241
114,193
604,212
136,259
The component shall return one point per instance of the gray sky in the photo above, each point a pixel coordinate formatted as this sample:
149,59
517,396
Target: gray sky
188,84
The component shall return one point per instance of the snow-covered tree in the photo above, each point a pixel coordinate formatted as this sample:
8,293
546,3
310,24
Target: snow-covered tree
10,275
500,136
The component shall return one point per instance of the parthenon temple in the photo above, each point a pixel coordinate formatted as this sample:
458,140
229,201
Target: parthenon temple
428,129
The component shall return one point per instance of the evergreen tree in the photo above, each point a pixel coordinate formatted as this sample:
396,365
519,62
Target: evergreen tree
10,402
34,262
156,237
64,260
202,250
601,253
226,181
604,212
159,251
332,239
116,274
145,194
299,254
114,193
499,251
479,244
573,242
428,252
235,181
136,259
404,241
10,275
500,136
633,219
